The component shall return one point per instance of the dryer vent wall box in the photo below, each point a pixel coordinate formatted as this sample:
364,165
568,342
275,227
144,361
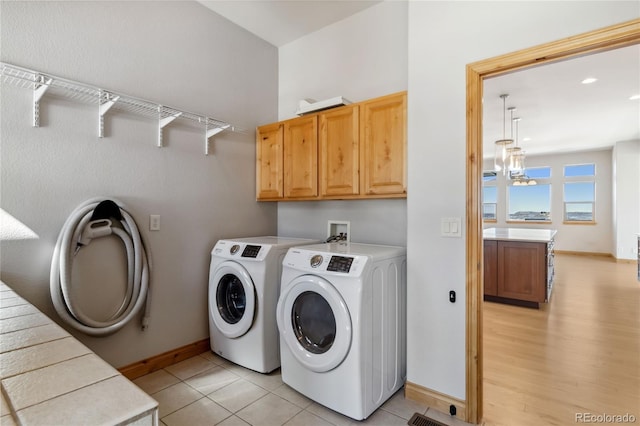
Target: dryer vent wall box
339,229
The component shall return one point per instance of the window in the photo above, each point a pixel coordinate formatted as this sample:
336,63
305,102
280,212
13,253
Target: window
579,193
531,202
580,170
539,172
489,203
489,196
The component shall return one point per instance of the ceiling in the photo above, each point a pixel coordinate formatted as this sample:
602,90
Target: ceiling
558,113
282,21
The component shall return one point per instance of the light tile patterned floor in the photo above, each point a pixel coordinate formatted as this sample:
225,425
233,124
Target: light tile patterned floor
209,390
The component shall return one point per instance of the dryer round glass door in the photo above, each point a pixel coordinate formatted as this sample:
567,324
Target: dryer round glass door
314,321
231,299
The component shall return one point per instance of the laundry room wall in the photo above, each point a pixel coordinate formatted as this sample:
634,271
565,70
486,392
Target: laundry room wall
178,54
443,38
361,57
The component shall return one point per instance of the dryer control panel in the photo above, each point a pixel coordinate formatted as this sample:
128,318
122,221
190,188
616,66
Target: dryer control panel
340,264
326,263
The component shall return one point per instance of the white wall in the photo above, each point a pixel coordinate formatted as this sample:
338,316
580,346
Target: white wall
444,37
176,53
590,238
361,57
626,180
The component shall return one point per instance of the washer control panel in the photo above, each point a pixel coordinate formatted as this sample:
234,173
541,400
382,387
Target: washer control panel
250,251
241,250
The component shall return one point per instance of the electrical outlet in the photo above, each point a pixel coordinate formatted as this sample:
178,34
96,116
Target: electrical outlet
154,222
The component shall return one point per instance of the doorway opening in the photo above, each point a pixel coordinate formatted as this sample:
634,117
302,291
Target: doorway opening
608,38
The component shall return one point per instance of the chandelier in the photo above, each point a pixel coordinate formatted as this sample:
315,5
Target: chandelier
516,154
516,161
502,146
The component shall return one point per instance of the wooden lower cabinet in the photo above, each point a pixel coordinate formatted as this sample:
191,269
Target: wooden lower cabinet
516,271
491,268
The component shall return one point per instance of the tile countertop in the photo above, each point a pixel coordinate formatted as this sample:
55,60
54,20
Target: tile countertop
49,377
519,234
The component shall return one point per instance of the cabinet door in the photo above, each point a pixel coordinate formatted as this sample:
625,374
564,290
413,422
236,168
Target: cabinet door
383,145
522,270
490,268
269,161
301,157
339,153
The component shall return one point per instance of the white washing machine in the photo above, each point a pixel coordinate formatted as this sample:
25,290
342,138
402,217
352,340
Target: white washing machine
244,284
342,321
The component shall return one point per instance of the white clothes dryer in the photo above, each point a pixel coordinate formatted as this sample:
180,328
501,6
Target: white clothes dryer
342,322
244,284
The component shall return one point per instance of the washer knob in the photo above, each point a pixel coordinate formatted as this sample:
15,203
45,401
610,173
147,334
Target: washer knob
316,261
234,248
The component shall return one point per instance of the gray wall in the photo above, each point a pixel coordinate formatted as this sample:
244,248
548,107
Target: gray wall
370,221
175,53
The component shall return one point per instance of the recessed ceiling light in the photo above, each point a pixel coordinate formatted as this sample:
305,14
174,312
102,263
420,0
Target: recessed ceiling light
589,80
526,139
634,98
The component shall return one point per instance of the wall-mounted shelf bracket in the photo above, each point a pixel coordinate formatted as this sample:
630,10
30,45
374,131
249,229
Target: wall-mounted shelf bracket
164,121
210,132
41,85
106,101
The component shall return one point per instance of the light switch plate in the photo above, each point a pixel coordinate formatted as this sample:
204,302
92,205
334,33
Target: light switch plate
451,227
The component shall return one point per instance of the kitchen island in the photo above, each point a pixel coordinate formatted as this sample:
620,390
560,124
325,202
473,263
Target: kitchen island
518,265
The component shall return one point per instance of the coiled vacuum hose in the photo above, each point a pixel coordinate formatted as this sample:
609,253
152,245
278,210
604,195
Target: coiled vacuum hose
78,231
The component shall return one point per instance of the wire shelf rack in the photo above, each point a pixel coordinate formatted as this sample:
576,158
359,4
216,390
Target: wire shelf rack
42,83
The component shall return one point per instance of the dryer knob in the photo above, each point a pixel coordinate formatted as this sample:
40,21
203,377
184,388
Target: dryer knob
234,248
316,261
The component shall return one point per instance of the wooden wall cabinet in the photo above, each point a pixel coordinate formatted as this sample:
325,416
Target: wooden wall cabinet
384,144
350,152
287,159
301,157
270,161
516,271
340,152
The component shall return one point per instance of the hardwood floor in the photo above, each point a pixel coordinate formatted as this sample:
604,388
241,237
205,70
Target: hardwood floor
578,354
